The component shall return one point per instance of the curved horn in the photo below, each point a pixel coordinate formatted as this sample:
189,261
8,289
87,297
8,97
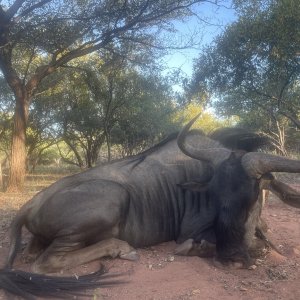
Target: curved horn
256,164
201,147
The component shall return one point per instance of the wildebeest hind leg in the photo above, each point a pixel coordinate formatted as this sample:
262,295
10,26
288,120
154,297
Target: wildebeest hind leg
60,256
34,248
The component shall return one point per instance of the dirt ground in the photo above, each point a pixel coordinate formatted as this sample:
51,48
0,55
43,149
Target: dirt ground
161,275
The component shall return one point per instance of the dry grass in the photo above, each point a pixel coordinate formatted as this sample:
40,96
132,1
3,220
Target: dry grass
34,183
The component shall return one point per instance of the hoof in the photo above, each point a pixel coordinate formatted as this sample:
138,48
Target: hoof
184,248
227,265
133,256
191,248
233,265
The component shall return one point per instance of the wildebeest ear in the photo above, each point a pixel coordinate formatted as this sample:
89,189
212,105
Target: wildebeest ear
194,186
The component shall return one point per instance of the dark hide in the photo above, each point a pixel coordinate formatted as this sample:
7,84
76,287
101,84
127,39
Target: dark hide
234,193
230,195
136,200
227,200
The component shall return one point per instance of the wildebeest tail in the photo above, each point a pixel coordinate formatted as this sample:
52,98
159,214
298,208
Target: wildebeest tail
15,238
30,285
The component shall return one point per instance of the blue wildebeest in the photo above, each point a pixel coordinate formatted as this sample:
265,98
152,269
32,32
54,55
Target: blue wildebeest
195,190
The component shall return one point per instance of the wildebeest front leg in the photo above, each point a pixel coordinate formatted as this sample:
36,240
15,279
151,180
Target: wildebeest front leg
60,256
192,248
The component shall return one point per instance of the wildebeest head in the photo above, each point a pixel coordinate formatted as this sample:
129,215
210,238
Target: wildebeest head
234,188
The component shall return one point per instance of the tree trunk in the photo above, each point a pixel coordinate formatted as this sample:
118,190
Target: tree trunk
79,163
18,149
1,179
89,163
281,139
108,143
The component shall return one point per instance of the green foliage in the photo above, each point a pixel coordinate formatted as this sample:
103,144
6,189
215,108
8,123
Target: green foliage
253,68
146,116
206,122
41,132
107,102
97,104
50,34
59,31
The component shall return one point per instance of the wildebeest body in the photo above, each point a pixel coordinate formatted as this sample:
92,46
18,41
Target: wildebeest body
136,200
146,199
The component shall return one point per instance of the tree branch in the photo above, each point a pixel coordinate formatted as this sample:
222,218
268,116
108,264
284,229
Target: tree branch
284,86
30,9
14,8
28,65
295,120
65,159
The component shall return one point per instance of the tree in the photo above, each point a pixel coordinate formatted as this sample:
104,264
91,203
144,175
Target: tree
147,114
6,119
60,31
207,122
81,119
276,131
41,131
111,101
5,134
254,65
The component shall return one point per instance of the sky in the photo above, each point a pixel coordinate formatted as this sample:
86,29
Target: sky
217,17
